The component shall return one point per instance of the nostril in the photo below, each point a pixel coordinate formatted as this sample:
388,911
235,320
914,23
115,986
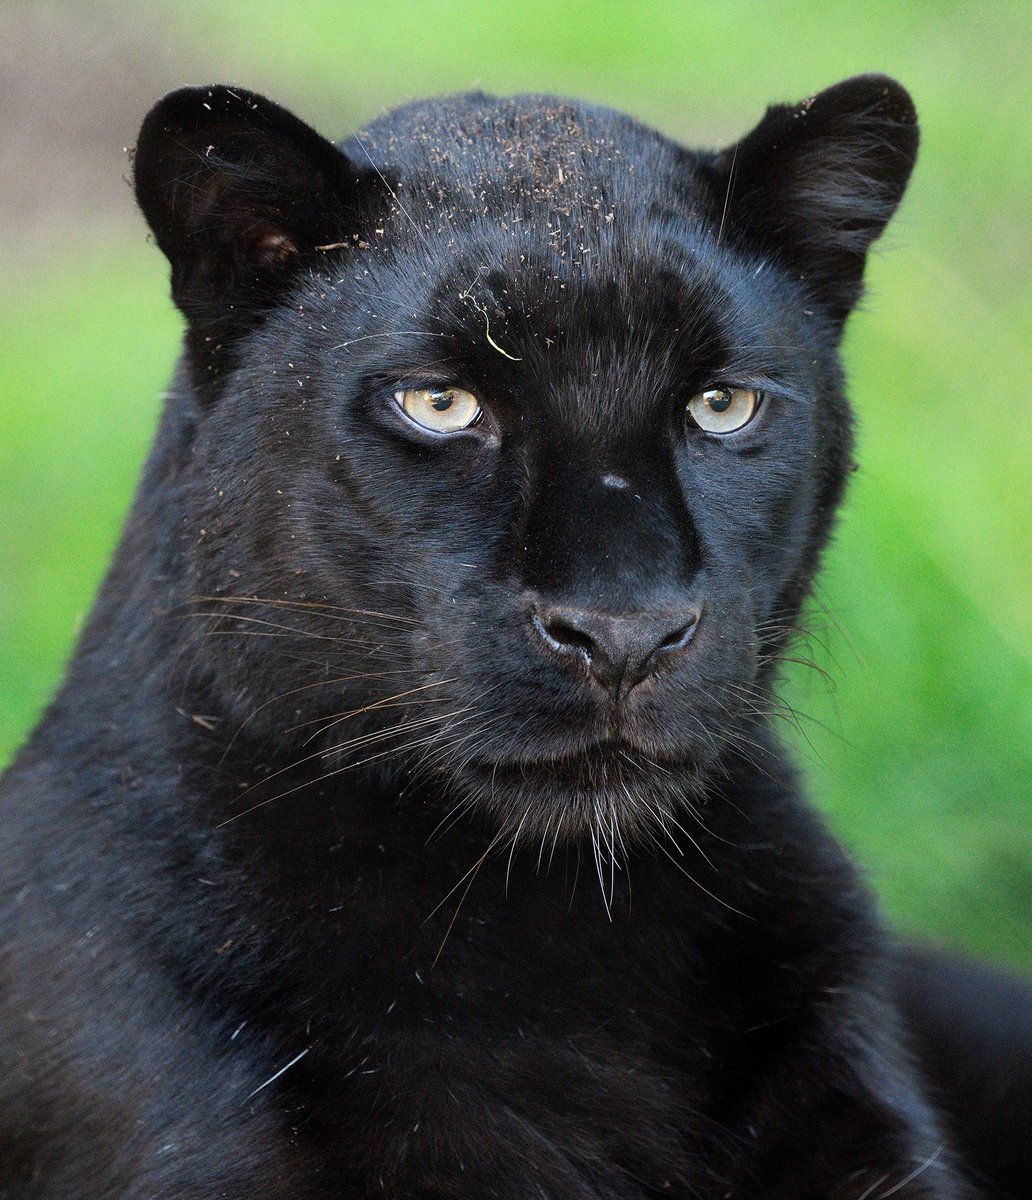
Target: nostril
678,638
560,635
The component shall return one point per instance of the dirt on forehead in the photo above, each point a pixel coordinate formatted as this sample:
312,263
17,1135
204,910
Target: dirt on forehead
538,149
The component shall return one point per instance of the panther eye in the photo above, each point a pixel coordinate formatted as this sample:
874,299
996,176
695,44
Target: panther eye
723,409
444,410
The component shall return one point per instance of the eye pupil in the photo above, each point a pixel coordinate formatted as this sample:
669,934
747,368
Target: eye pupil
722,410
443,410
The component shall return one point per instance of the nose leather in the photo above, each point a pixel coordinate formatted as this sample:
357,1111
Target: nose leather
620,650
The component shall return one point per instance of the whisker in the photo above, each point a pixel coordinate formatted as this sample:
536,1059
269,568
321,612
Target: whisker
386,702
285,630
303,688
918,1170
712,895
512,848
343,747
305,606
394,750
392,333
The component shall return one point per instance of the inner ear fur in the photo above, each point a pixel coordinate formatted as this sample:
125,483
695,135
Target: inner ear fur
814,184
239,193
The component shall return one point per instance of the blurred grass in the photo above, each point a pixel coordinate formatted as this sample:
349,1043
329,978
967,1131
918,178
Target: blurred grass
922,753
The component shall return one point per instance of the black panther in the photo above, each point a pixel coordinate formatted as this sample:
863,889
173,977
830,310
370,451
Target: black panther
411,821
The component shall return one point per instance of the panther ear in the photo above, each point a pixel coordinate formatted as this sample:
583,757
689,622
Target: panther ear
239,194
815,184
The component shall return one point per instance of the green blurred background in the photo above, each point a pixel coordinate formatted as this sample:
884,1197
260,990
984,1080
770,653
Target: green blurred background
920,749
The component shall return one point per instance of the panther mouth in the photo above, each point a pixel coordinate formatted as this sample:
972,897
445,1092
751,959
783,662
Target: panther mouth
609,785
605,757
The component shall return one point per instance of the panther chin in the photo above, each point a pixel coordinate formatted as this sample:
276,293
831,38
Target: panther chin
613,795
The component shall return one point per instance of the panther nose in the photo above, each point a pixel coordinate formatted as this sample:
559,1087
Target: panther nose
620,649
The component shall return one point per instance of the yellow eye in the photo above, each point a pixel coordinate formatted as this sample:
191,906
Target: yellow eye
723,410
444,410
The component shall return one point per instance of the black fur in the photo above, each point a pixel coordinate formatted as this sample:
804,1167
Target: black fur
337,867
